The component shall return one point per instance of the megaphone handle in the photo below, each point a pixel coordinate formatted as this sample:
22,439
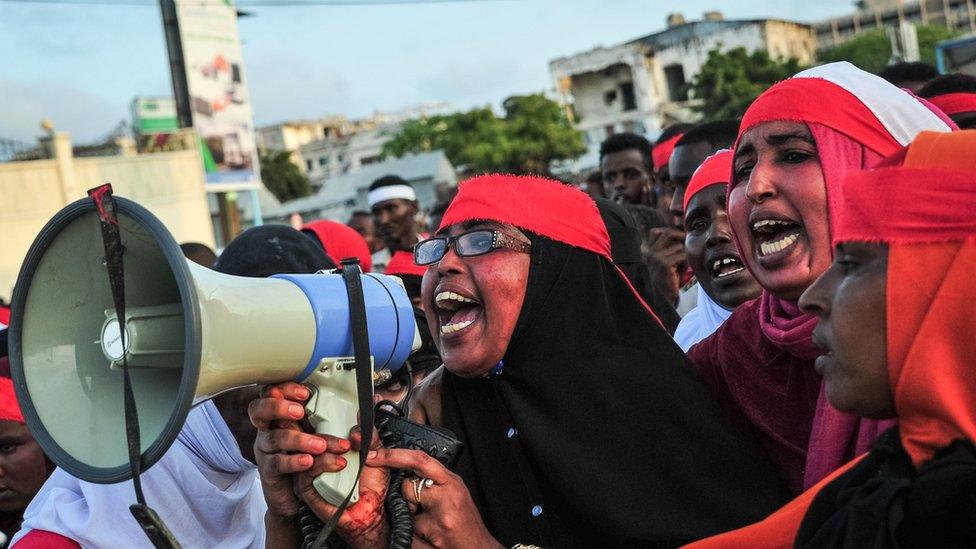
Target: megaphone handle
332,410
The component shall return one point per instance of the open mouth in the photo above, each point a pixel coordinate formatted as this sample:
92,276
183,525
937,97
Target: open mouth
726,266
775,236
456,312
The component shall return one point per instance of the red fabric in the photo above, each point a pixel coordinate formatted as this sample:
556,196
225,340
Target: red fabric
715,169
761,360
815,100
909,205
661,153
542,206
402,264
955,103
9,409
341,241
5,316
42,539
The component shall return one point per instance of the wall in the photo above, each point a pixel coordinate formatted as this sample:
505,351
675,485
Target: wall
168,184
785,40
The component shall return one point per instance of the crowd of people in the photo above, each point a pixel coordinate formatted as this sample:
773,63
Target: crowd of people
747,333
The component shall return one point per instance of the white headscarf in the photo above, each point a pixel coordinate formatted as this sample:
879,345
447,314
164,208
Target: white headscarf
700,322
204,490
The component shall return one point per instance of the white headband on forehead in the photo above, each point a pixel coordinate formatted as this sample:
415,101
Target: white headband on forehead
901,114
390,192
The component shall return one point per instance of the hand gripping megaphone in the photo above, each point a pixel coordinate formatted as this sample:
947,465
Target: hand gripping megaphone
189,334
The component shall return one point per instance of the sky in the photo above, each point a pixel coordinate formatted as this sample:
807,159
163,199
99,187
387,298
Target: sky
81,65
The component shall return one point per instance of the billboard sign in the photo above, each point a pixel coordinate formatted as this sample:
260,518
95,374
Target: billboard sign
154,115
218,98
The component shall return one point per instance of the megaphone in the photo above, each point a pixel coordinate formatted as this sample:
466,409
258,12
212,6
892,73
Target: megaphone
190,333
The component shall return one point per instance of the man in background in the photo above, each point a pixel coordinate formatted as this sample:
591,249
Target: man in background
393,204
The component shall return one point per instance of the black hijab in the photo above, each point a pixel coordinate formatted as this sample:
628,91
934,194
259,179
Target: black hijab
625,247
884,502
596,432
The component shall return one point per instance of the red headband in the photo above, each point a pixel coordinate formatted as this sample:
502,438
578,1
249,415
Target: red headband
542,206
955,103
9,409
928,197
661,153
402,264
715,169
819,101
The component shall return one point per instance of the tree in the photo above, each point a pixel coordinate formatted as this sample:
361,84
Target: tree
533,133
282,177
729,82
871,50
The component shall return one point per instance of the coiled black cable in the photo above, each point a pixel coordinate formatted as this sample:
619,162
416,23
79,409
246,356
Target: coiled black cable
398,513
397,510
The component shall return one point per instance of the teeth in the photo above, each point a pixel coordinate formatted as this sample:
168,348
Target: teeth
451,300
451,328
729,273
767,248
719,262
451,296
768,223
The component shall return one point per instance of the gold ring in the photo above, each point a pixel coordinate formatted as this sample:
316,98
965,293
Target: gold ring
418,486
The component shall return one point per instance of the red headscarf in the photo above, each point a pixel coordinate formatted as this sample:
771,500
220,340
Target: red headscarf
764,365
661,153
714,170
402,264
920,202
340,242
576,221
955,103
9,409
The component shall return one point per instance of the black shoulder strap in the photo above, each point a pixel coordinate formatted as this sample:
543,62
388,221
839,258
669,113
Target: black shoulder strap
352,274
150,522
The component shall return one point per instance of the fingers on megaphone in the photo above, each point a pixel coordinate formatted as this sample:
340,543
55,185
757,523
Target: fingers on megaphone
289,390
274,410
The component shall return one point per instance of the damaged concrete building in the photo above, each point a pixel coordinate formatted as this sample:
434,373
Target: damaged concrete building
640,86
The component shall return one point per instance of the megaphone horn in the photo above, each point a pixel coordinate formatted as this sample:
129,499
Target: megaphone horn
189,332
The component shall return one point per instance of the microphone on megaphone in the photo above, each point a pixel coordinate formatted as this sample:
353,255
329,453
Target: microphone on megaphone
189,333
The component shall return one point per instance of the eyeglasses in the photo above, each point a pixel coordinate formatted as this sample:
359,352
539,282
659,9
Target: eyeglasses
469,244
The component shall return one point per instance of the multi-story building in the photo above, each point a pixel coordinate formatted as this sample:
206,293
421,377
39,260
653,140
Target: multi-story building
331,157
953,14
641,86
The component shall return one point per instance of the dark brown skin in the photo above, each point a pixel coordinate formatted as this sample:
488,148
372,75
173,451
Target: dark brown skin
363,224
667,248
626,178
684,161
232,406
23,469
709,238
849,299
497,282
289,459
395,222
